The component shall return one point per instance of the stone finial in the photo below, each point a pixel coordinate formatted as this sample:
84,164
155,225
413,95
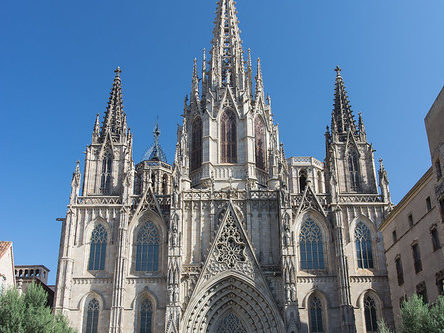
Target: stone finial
338,70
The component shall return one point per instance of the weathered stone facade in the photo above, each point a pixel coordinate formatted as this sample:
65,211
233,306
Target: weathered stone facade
241,239
413,231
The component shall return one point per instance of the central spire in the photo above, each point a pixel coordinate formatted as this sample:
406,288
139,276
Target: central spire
342,115
227,65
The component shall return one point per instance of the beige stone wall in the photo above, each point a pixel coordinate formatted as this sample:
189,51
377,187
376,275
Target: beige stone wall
7,278
414,203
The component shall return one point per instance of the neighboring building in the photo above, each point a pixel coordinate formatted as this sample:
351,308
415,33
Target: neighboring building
234,236
434,122
413,232
27,274
7,279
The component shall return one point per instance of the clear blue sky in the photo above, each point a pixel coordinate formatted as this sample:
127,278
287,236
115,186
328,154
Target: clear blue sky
57,60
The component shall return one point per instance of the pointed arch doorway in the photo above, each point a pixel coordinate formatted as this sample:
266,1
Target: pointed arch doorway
232,305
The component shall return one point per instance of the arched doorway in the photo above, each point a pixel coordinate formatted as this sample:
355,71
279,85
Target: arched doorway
232,301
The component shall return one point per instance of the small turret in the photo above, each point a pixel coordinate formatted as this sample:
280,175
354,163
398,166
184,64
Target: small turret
155,152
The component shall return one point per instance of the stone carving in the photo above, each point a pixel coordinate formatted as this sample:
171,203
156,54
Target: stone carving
230,251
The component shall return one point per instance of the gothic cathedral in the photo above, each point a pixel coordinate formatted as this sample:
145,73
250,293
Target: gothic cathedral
233,236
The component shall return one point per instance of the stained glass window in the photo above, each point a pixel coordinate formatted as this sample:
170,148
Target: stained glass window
259,133
315,308
311,247
105,181
92,316
147,248
363,243
371,323
196,144
354,171
228,137
97,252
146,313
230,324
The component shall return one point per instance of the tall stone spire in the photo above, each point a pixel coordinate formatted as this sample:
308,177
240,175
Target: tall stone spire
114,121
342,120
227,54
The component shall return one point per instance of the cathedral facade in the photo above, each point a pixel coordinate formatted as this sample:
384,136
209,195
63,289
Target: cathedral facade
233,236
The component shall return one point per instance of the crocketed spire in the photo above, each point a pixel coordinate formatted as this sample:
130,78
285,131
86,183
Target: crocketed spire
155,152
342,120
114,121
226,53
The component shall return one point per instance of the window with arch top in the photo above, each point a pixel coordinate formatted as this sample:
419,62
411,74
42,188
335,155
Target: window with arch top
196,144
353,169
147,248
228,137
363,242
302,180
315,314
259,134
371,320
97,251
165,184
105,179
311,246
146,314
92,316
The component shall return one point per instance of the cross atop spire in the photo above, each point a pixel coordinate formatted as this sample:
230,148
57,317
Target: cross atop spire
342,115
114,116
338,70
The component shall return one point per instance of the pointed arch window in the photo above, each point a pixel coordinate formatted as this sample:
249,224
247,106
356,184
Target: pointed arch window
92,316
228,137
196,144
259,134
146,314
363,243
311,246
353,169
105,180
153,181
165,184
230,324
371,323
147,248
315,313
320,189
97,251
302,180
